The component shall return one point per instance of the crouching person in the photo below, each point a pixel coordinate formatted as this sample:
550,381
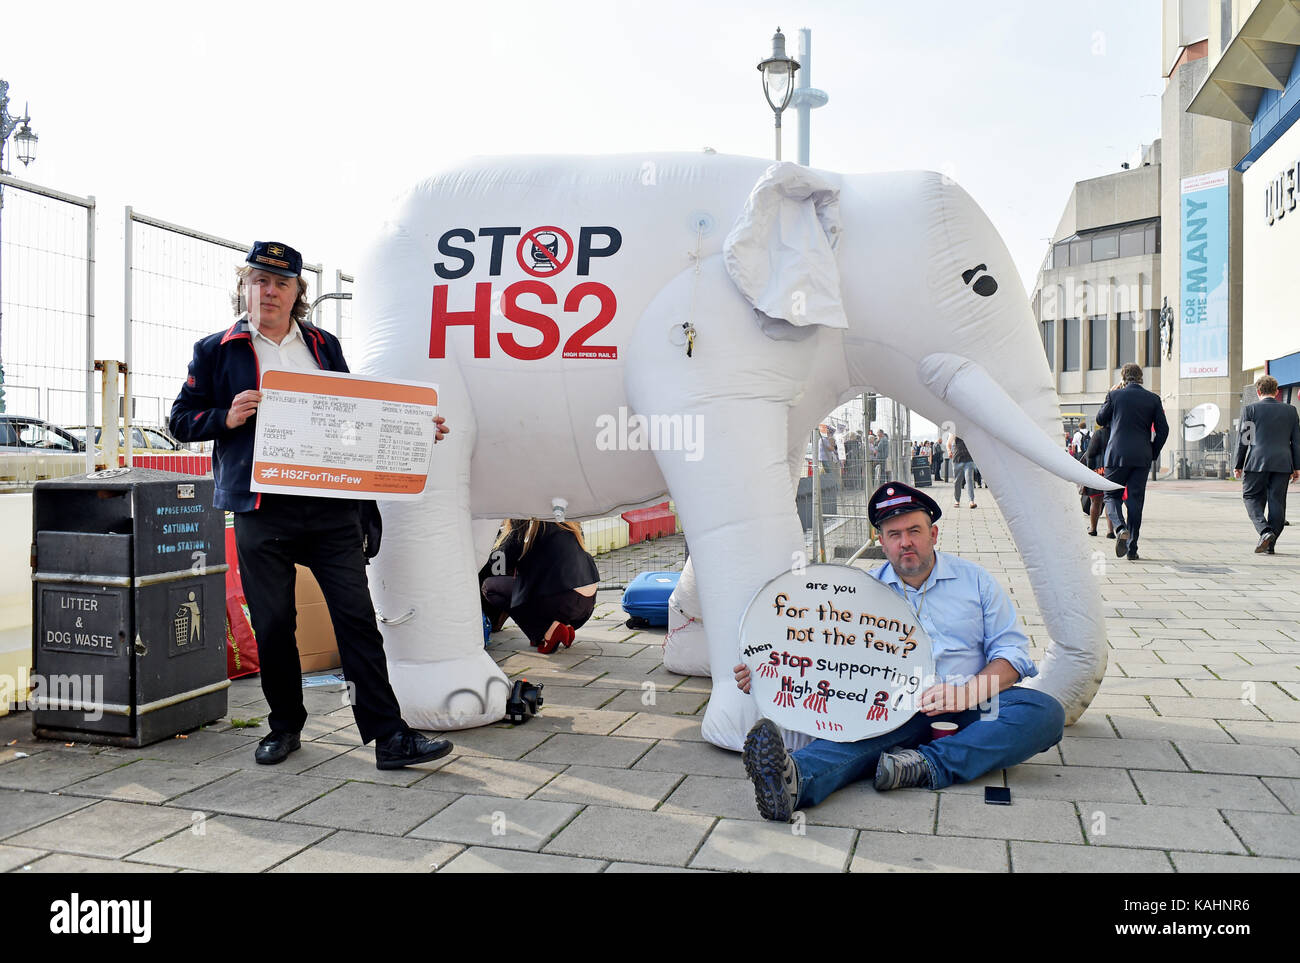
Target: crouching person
977,641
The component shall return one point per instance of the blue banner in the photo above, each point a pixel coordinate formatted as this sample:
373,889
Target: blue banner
1204,287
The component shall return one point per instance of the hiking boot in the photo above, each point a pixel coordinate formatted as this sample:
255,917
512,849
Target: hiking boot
902,770
772,770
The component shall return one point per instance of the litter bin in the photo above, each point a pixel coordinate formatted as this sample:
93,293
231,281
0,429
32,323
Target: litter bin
921,477
804,498
128,606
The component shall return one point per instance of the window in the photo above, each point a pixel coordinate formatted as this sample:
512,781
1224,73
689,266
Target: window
1061,255
1080,252
1105,246
1097,348
1132,243
1153,338
1152,239
1071,362
1126,338
1049,343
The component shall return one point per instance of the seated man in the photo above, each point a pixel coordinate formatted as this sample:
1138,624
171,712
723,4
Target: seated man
979,652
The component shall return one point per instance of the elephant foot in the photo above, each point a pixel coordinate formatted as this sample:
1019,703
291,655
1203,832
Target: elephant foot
460,693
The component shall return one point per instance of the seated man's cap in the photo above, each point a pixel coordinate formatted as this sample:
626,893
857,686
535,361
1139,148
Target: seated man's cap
275,257
895,498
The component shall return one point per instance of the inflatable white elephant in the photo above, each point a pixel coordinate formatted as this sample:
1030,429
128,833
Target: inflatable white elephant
607,329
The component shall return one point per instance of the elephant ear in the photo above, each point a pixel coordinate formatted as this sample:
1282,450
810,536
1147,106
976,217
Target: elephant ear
781,251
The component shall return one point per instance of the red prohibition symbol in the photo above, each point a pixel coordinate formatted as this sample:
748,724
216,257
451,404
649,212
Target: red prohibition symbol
550,249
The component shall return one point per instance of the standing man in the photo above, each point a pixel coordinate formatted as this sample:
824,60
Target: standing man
1269,451
980,653
1131,412
963,469
219,402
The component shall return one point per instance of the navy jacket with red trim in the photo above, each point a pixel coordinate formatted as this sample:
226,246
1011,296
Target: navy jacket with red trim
224,364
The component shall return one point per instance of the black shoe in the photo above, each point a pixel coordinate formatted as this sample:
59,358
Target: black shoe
1121,542
1266,541
772,771
1091,532
406,747
1133,556
276,747
1110,534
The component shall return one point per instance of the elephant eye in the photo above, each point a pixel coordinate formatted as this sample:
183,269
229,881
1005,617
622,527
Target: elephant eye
986,286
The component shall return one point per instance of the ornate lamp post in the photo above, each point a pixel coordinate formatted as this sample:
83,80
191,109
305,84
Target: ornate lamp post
25,145
778,81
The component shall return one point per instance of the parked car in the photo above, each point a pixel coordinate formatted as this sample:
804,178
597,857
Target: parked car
21,433
144,441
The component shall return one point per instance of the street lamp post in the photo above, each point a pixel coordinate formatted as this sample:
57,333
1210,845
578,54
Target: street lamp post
778,81
806,97
25,144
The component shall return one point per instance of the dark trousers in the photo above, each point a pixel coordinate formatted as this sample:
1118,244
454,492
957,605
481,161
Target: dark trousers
536,615
1134,479
323,534
1265,495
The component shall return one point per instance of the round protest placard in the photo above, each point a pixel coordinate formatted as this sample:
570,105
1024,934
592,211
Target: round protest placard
834,653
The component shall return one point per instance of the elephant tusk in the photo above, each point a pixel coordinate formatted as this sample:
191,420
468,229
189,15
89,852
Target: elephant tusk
966,387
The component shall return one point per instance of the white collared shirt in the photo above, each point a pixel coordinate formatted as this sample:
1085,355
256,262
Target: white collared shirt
291,354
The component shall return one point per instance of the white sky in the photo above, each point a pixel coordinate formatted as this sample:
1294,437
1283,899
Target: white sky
299,121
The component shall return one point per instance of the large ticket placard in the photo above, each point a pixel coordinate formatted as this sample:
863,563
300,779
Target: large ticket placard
343,436
833,653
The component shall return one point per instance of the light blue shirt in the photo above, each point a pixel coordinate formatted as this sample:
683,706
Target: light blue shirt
968,617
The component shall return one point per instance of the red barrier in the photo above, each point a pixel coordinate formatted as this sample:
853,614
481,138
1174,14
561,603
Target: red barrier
185,464
643,523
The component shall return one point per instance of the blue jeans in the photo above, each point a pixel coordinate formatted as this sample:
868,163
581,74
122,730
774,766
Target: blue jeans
1026,723
960,470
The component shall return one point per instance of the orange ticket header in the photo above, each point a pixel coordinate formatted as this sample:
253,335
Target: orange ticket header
319,383
338,479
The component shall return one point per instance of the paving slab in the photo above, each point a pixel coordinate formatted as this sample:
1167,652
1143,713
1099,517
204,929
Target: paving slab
371,808
147,781
1214,863
110,829
885,852
1287,790
623,788
1265,733
691,758
231,844
197,746
482,859
713,796
1121,753
576,698
1187,707
633,836
491,777
1055,858
1241,759
1044,820
769,847
1267,834
650,868
47,771
651,726
1164,728
659,701
562,718
1206,791
1158,827
15,857
310,755
347,852
359,764
1093,725
67,863
261,795
24,809
1071,782
575,748
497,822
498,742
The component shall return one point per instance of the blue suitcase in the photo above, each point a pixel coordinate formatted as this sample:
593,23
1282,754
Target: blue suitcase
647,597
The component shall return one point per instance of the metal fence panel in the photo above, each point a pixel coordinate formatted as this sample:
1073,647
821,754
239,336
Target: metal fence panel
178,287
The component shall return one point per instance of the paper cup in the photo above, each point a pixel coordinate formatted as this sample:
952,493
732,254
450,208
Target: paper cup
940,729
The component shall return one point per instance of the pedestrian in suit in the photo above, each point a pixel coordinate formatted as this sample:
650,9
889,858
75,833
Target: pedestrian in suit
1269,452
1131,412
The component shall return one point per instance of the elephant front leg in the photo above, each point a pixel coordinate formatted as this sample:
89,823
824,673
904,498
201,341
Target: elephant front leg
736,504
